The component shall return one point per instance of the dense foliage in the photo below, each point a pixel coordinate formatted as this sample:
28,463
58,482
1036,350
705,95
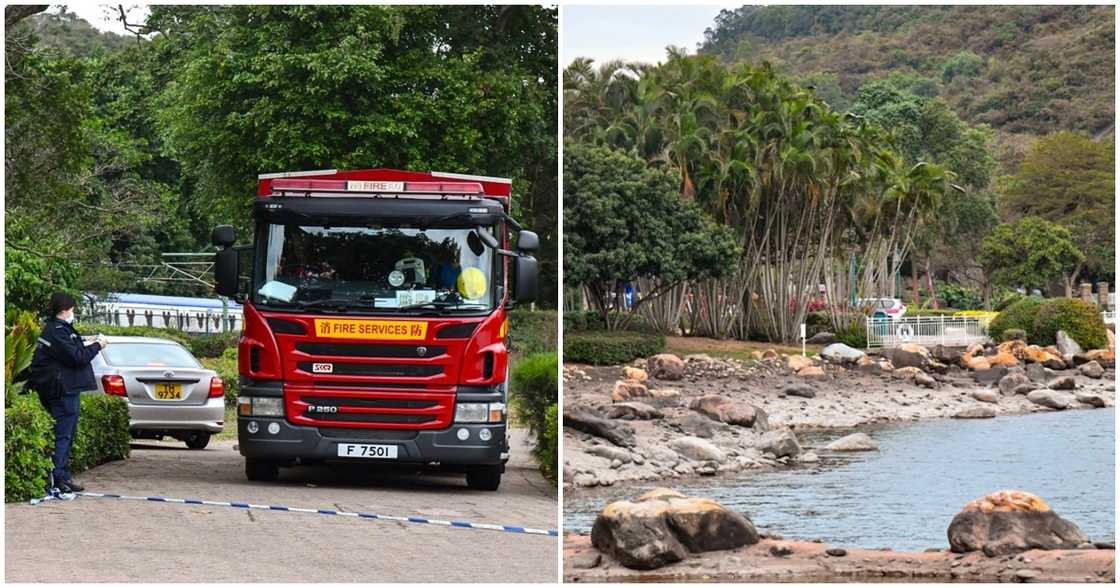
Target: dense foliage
1030,253
533,331
226,367
534,394
610,348
1019,316
1080,320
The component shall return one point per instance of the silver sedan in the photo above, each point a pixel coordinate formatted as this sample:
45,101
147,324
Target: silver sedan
168,391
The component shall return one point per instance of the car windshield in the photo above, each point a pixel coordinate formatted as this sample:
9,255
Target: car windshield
394,269
149,355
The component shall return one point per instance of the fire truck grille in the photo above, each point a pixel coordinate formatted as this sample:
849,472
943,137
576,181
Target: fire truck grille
369,434
368,402
366,369
362,350
353,417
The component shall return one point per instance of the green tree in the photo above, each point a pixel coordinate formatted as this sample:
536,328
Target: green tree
965,63
1030,253
624,220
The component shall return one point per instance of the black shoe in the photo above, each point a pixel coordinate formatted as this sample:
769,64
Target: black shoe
70,486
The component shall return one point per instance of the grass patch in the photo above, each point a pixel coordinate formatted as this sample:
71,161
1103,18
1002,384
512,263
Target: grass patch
229,431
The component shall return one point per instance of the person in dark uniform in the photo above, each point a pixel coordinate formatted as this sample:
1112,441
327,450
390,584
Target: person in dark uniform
61,370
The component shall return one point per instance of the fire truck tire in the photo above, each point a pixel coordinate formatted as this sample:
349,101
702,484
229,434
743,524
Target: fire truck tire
484,478
261,470
198,440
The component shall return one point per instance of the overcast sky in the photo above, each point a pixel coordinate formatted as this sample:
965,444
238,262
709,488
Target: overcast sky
634,33
104,17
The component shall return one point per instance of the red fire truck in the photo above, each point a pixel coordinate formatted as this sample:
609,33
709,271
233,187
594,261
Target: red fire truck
375,319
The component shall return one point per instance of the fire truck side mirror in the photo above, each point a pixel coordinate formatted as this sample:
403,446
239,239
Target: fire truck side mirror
525,279
223,236
225,272
528,241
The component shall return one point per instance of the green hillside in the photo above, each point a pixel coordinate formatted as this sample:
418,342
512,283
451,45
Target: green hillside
1028,70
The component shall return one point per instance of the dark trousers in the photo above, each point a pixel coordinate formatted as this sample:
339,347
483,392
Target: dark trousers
64,409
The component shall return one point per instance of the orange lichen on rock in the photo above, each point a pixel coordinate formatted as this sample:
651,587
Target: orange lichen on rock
1006,501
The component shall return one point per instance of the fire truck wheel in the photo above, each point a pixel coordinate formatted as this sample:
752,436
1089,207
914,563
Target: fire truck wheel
261,470
198,440
484,478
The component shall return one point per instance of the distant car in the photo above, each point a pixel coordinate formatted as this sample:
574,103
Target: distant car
169,393
888,307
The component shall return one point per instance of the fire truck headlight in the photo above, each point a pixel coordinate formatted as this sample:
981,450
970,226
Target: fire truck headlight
268,407
471,412
497,412
484,434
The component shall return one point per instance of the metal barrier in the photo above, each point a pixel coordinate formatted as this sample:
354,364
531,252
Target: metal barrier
197,322
956,331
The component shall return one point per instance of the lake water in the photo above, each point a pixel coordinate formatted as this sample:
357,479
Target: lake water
904,495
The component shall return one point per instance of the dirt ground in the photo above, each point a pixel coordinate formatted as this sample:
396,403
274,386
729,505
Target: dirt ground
102,540
808,562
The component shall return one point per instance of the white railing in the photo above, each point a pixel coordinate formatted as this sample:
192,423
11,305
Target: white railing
955,331
1109,317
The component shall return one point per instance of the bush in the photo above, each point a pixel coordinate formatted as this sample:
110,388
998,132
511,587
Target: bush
226,366
29,441
1080,320
1013,335
214,344
104,329
960,297
20,333
534,393
854,335
533,331
549,444
592,320
1019,315
603,348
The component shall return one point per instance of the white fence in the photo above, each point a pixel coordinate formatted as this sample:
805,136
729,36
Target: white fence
197,321
955,331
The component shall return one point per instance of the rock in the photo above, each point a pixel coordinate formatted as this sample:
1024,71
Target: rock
1010,382
1063,383
1036,354
1039,373
663,526
584,480
633,373
798,362
633,411
769,354
582,419
925,380
811,372
800,390
1027,574
836,552
666,366
910,355
986,395
976,363
1104,544
781,550
821,338
1092,369
1093,400
1066,345
840,353
697,449
976,412
726,410
627,389
1004,359
809,457
664,397
610,453
587,560
853,442
700,360
1051,399
945,354
990,375
779,443
1011,521
936,367
916,374
698,425
1105,357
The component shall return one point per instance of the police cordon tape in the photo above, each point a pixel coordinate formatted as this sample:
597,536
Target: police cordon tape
55,495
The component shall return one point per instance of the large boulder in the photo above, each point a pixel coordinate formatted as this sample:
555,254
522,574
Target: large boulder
797,363
1066,344
1063,383
663,397
945,354
663,526
1051,399
840,353
1092,370
628,389
1094,400
665,366
1003,359
726,410
1011,383
986,395
584,420
1011,521
633,411
853,442
697,425
821,338
977,363
910,355
697,449
800,390
779,443
634,373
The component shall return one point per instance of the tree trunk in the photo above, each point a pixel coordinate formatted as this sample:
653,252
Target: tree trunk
932,292
914,284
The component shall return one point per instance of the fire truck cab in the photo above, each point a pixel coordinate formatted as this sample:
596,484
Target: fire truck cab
375,319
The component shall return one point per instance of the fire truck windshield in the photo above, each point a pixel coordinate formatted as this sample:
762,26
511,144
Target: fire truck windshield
389,269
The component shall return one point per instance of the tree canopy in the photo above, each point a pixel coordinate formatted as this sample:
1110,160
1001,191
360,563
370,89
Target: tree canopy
1029,253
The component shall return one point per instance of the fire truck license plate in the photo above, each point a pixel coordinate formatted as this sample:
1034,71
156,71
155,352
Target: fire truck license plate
362,450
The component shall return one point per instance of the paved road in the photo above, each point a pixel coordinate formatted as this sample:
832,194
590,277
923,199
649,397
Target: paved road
101,540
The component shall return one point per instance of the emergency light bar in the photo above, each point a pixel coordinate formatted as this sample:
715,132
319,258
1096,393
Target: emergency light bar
367,186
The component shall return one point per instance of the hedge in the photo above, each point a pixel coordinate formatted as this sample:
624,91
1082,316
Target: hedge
610,348
104,329
1019,315
29,441
214,344
226,366
534,393
1080,320
533,331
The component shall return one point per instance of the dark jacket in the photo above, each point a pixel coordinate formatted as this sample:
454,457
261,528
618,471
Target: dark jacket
62,346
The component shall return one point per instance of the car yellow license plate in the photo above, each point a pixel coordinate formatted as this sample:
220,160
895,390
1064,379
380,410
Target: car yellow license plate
169,391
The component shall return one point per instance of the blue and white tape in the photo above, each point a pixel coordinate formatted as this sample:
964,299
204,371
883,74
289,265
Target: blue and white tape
321,511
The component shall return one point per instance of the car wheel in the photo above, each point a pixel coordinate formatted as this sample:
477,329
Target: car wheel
198,440
484,478
261,470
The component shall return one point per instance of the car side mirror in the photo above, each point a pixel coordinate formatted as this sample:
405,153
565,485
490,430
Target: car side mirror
528,241
525,279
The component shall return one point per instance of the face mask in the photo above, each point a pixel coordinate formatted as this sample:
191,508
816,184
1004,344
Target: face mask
68,318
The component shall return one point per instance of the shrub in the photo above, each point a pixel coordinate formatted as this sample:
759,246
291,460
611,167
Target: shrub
1080,320
534,393
20,333
816,322
214,344
853,335
226,366
960,297
549,444
592,320
603,348
533,331
1019,315
104,329
1013,335
29,441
